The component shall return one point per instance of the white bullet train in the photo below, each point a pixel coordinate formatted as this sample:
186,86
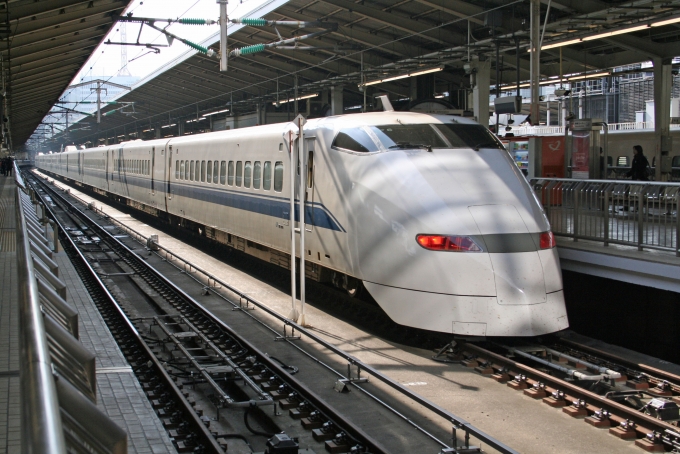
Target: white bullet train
428,212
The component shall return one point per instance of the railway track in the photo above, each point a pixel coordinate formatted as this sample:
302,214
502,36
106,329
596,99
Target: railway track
605,391
209,384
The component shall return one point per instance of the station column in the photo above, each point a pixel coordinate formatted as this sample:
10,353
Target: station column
663,82
481,78
337,107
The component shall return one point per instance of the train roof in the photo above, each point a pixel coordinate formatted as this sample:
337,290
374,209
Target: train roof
262,131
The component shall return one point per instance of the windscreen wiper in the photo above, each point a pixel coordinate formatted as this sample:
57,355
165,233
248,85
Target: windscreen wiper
412,145
484,145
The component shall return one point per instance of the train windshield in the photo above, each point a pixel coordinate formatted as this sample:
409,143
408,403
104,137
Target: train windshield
367,139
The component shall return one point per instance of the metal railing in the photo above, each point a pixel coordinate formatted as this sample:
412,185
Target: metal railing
58,381
635,213
559,130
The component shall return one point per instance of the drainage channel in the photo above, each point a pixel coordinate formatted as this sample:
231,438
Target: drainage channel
165,326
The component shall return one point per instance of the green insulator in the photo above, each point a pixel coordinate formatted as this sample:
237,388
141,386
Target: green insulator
201,49
254,22
252,49
189,21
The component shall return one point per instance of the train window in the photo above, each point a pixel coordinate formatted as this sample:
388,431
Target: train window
202,170
186,170
469,136
230,179
239,173
192,169
247,174
257,174
278,176
197,175
223,172
216,172
209,179
176,170
267,176
408,136
354,139
181,170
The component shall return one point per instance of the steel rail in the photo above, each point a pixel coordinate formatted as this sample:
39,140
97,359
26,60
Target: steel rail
457,421
352,429
644,368
41,426
206,436
643,421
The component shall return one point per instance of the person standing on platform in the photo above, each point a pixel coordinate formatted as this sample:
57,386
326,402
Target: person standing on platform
10,165
638,170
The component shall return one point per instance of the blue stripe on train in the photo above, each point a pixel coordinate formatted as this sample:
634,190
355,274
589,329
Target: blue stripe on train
278,207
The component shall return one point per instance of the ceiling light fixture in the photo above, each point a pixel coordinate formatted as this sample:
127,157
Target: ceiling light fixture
673,20
314,95
403,76
215,113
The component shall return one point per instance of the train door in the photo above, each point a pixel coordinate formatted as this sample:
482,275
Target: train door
106,169
153,166
168,190
309,186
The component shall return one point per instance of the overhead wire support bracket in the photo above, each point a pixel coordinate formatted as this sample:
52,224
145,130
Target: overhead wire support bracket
282,44
151,22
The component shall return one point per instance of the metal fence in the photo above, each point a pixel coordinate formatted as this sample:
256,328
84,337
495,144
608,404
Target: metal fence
59,414
634,213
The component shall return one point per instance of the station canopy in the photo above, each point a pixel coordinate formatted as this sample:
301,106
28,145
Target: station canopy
381,40
43,45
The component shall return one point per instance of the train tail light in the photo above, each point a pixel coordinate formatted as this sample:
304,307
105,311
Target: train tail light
448,243
547,240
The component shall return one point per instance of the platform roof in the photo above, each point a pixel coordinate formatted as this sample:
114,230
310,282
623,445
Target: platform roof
392,38
43,45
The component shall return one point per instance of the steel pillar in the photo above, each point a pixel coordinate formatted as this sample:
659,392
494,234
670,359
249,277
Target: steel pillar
480,81
535,59
663,84
337,108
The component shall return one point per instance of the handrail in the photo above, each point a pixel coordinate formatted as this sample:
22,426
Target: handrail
58,381
636,213
41,428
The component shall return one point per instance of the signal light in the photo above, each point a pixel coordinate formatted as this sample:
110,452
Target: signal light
547,240
448,243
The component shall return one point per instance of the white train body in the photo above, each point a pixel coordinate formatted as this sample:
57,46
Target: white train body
374,213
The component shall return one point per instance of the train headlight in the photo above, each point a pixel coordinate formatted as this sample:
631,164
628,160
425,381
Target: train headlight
448,243
547,240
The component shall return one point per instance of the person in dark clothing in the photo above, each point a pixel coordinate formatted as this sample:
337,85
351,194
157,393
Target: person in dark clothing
10,166
638,170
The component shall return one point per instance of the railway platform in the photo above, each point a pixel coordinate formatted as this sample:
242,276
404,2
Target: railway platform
119,394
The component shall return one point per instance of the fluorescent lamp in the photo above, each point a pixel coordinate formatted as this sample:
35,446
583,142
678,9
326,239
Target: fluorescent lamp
426,71
390,79
169,126
588,76
563,43
607,34
666,22
196,119
215,113
314,95
615,32
403,76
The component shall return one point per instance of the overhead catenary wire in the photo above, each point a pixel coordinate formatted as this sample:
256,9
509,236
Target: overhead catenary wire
325,63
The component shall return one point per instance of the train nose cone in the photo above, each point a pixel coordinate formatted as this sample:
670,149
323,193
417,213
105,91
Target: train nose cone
517,267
